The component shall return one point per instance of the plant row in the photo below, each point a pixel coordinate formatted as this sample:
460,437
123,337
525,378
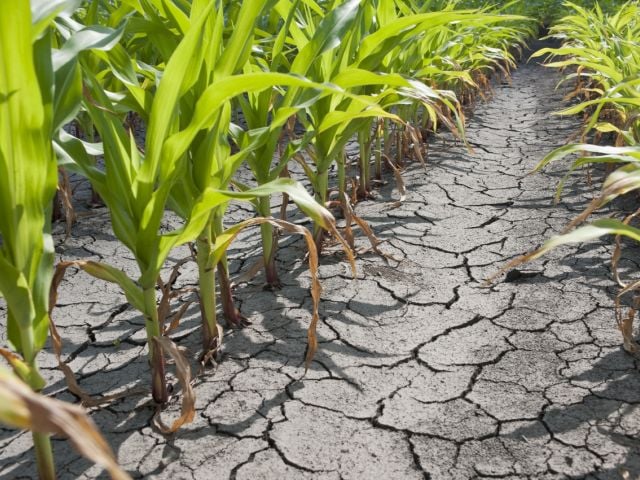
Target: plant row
600,54
215,86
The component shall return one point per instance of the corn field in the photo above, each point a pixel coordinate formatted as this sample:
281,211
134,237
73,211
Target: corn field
288,238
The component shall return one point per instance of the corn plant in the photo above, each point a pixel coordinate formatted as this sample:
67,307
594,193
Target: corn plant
180,150
324,54
136,188
605,77
210,164
208,159
34,104
258,110
605,53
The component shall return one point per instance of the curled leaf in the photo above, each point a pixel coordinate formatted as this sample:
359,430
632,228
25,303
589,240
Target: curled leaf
596,229
617,252
399,182
22,408
224,240
183,372
56,341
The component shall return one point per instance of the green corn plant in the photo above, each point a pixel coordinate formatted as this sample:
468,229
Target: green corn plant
546,11
613,84
607,57
350,64
34,105
208,160
137,188
258,110
324,50
211,165
27,184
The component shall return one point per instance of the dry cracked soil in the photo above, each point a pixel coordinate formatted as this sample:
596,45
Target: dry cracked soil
421,372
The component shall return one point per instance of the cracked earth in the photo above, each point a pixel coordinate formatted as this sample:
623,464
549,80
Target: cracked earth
421,372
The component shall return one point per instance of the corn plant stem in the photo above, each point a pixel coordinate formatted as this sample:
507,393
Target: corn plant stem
156,356
386,137
399,148
44,456
365,154
269,246
342,176
321,186
425,123
207,288
229,310
41,441
27,349
378,152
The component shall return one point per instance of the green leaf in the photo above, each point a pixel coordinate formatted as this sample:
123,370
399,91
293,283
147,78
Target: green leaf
330,33
565,150
28,177
181,73
587,233
94,37
111,274
44,11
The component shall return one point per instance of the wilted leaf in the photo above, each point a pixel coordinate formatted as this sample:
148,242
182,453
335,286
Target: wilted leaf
183,372
22,408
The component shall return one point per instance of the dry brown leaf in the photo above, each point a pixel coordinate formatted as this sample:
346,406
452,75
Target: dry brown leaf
183,372
10,356
626,328
625,323
66,195
617,252
175,319
399,181
313,268
56,341
373,240
348,231
210,356
166,292
512,264
47,415
416,142
249,274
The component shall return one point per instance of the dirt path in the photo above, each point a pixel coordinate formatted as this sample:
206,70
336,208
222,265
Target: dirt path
421,373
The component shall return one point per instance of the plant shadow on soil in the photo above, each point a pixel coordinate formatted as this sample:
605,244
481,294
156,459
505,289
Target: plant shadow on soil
125,417
288,333
596,415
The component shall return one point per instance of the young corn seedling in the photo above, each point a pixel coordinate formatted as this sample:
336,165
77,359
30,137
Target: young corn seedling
611,85
137,188
34,105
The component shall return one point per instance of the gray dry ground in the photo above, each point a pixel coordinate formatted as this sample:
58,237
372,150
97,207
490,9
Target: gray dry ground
421,373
